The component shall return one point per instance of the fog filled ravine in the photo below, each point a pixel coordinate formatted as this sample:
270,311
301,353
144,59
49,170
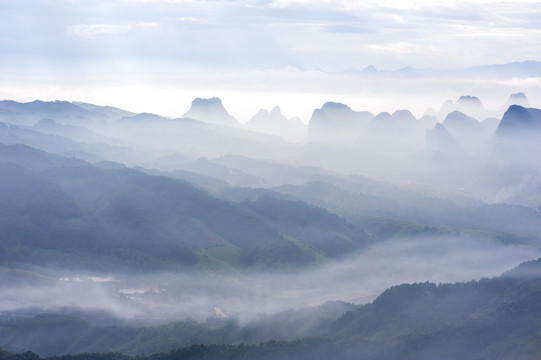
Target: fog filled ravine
350,235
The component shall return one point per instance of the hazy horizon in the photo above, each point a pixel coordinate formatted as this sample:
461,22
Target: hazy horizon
158,55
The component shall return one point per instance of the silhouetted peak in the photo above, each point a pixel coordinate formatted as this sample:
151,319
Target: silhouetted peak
459,118
371,69
210,110
334,106
383,116
261,112
404,115
519,117
264,116
467,99
518,99
214,102
519,95
276,111
440,139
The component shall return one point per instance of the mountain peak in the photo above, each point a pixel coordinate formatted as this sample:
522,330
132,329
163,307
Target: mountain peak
334,106
519,117
469,100
517,99
210,110
370,69
457,119
276,111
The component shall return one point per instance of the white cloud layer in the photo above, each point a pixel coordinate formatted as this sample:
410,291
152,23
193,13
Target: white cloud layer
92,31
206,44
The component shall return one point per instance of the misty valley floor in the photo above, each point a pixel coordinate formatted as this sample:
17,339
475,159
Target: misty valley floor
490,318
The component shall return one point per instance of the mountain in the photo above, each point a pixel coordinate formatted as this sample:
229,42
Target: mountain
73,132
336,122
439,139
512,170
468,105
275,123
467,131
522,69
160,136
49,140
211,111
477,319
515,99
101,217
63,112
519,118
142,118
516,140
108,111
395,135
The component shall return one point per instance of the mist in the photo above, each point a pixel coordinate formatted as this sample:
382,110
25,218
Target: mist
155,298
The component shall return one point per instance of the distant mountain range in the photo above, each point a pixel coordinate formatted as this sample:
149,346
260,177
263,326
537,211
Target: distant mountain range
523,69
337,138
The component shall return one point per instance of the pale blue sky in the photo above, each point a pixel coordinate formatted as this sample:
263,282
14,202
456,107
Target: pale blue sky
96,50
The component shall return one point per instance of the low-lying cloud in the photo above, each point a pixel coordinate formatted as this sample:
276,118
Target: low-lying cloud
358,279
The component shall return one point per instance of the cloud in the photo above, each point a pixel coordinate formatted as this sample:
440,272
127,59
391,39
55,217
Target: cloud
462,30
96,30
398,48
347,29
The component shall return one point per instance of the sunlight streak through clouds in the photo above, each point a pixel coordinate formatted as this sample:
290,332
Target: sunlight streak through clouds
95,30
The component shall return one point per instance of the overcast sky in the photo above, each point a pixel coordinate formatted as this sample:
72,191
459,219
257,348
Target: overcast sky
163,53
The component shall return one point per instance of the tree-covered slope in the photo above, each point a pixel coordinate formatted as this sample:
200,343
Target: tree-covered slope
71,213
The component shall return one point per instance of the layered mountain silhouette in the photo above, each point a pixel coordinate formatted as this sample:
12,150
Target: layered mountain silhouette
96,190
339,139
63,112
515,99
522,69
